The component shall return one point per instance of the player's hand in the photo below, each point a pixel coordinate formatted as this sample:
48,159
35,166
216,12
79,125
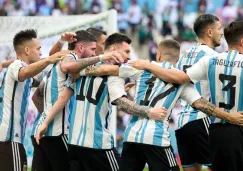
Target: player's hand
113,56
236,118
139,64
68,37
157,113
57,56
41,132
128,86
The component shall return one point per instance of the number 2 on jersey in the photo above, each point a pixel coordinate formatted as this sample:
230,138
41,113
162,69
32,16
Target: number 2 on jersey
229,87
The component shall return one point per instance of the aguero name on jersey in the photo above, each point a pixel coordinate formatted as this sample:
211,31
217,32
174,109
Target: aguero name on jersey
154,92
90,117
191,57
225,77
14,99
54,84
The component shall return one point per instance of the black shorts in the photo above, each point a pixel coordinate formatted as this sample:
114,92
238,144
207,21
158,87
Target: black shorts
51,154
193,143
135,156
88,159
12,157
226,147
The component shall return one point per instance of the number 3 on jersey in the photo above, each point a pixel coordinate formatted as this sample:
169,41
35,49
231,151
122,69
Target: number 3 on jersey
229,89
90,90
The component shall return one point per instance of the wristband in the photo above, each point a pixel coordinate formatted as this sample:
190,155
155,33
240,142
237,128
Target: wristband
61,41
101,57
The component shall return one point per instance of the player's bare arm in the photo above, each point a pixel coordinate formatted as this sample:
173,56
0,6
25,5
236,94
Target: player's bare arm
128,106
168,75
211,110
65,37
35,68
58,106
73,66
38,97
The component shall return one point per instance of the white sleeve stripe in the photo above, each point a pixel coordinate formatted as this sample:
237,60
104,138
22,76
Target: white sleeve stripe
168,157
172,156
115,160
18,156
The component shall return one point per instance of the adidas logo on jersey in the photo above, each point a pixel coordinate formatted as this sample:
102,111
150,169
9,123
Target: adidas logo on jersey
17,135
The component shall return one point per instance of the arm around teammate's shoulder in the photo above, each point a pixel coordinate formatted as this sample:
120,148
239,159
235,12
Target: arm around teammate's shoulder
35,68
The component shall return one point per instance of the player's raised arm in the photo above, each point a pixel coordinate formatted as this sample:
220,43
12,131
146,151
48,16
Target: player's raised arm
6,63
65,37
168,75
73,66
35,68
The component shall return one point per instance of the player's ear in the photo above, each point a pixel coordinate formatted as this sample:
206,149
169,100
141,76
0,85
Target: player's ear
27,50
210,32
113,48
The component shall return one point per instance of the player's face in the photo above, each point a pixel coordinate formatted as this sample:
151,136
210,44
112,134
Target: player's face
89,50
33,50
100,44
124,50
217,33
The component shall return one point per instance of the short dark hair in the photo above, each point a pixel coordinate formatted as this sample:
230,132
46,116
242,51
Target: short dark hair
116,38
23,36
202,22
170,47
233,32
96,32
81,36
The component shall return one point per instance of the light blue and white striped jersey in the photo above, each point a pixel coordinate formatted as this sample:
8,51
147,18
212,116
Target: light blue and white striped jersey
225,77
90,117
54,84
153,92
191,57
14,100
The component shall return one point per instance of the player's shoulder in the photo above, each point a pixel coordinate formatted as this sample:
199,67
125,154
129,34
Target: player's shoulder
164,64
16,63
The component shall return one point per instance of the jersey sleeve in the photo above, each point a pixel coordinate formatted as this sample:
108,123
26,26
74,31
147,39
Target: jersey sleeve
127,71
70,84
190,93
14,69
198,71
116,88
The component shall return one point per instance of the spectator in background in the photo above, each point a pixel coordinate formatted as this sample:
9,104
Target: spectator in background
229,12
122,19
202,6
135,15
95,7
44,9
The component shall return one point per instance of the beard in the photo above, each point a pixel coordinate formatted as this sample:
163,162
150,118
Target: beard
217,43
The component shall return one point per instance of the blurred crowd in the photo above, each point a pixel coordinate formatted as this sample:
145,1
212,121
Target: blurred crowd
145,21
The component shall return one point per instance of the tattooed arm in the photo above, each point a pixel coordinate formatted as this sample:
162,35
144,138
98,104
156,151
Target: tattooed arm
211,110
73,66
38,97
130,107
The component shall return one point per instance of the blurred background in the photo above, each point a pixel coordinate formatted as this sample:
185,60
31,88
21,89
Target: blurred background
147,22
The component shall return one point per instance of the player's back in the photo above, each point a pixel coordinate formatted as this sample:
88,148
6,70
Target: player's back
191,57
153,92
226,81
89,121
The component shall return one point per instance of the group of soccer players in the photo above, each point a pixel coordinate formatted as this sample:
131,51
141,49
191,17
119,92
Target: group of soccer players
71,131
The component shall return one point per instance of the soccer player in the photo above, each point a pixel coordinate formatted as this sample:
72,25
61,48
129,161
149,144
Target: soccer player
5,64
14,94
146,140
224,74
52,153
91,144
192,135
